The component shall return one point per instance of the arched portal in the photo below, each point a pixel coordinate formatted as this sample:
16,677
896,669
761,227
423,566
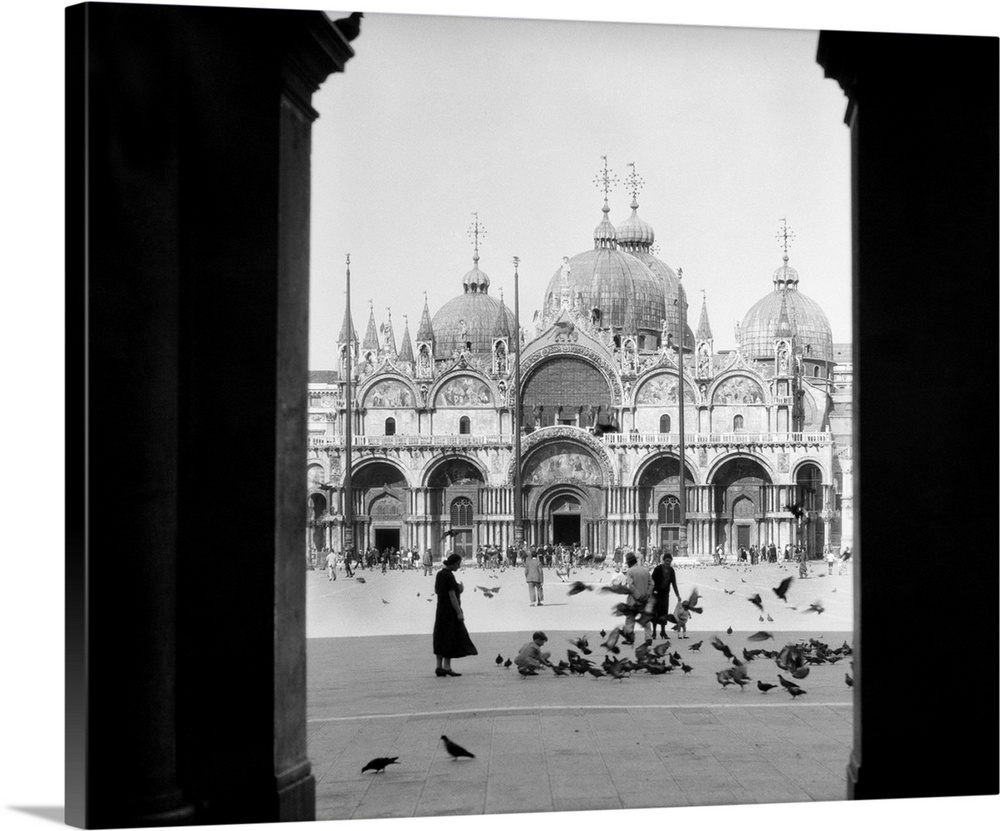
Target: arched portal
809,494
567,391
452,504
740,504
658,502
380,496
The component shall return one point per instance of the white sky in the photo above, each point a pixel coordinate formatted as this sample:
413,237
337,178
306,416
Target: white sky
731,130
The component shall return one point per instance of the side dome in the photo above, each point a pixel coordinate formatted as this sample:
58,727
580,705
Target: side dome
472,317
808,322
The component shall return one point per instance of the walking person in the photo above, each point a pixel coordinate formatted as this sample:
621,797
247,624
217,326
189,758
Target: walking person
664,577
831,558
451,638
534,576
640,584
427,561
331,564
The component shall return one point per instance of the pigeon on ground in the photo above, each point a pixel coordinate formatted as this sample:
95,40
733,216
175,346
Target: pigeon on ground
603,633
770,619
782,588
729,631
380,763
800,673
360,579
526,671
795,691
729,592
386,602
695,647
788,685
507,663
499,659
686,668
764,687
848,680
456,750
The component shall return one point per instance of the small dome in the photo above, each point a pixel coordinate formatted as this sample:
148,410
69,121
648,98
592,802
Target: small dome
635,233
474,279
604,233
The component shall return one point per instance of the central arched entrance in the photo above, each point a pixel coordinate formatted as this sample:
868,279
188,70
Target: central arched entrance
565,516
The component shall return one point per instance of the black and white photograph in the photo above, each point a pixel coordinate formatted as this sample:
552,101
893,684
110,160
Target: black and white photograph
505,413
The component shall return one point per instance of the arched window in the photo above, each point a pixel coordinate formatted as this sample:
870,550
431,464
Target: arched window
464,426
737,423
390,427
664,423
461,513
815,372
670,510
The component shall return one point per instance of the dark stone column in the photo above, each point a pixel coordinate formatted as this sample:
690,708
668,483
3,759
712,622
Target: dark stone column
922,111
196,155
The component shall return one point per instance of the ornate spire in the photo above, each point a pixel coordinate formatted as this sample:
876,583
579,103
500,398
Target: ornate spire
502,328
634,234
406,350
347,326
371,335
604,233
425,334
388,336
784,329
704,330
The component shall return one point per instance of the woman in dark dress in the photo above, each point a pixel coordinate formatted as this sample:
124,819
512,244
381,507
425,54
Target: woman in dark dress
664,577
451,638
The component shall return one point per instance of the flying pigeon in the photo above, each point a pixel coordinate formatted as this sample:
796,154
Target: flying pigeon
760,636
782,588
451,532
380,763
386,602
582,644
456,750
757,601
578,587
611,643
816,606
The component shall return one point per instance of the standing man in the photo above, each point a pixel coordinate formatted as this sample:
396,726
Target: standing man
640,584
427,561
331,564
534,575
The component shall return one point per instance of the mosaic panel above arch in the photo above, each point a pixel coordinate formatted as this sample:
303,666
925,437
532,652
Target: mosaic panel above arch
464,392
562,460
455,472
662,389
738,390
389,395
385,507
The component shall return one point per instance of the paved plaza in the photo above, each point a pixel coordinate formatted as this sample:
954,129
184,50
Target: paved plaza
551,743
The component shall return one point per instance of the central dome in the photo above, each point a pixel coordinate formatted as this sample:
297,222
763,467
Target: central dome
612,282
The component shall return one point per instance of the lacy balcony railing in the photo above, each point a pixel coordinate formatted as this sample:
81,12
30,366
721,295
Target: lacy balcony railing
610,439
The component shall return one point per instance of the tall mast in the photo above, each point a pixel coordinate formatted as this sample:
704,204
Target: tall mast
681,495
348,418
518,518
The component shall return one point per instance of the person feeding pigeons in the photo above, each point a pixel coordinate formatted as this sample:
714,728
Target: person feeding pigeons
531,656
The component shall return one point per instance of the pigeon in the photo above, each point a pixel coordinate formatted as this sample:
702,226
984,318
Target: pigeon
686,668
499,659
603,633
729,592
451,532
380,763
487,594
456,750
718,644
691,604
695,647
800,673
483,589
350,26
360,579
611,643
386,602
526,671
582,644
615,589
782,588
729,631
786,683
795,691
848,680
595,672
558,669
795,510
757,601
507,663
724,677
761,618
816,606
764,687
770,619
620,609
430,599
760,636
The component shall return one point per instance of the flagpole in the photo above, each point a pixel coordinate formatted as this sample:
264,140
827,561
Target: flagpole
516,420
682,496
348,417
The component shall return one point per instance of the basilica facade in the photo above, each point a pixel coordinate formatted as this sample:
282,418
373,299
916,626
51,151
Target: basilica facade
609,372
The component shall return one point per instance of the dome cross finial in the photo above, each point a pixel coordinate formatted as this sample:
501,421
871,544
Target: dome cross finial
605,180
633,184
476,230
785,236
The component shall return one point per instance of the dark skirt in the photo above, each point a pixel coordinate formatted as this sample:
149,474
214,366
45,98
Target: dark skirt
451,638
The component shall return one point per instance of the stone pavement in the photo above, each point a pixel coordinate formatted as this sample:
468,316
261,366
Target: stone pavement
551,743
